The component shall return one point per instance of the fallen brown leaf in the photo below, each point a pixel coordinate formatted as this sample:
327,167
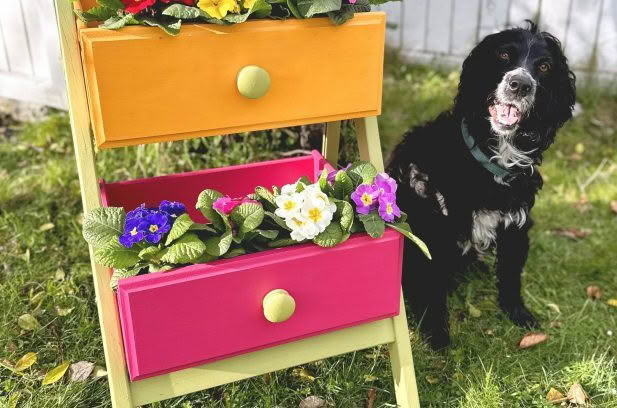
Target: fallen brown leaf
312,402
572,233
372,394
614,206
582,205
577,395
594,292
431,379
532,339
555,324
303,374
81,370
555,396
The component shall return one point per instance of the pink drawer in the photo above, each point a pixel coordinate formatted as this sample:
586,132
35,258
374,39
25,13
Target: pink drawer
202,313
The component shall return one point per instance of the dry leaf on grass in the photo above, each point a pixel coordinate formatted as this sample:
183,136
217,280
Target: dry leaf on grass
63,312
303,374
370,378
612,302
56,374
431,379
555,396
312,402
372,394
614,206
473,311
60,275
46,227
532,339
582,205
26,361
577,395
99,372
554,307
28,322
594,292
81,370
572,233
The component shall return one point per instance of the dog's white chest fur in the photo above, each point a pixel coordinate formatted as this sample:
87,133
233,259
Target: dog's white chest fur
485,224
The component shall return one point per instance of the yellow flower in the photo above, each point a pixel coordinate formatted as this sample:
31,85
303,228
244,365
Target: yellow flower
218,8
248,3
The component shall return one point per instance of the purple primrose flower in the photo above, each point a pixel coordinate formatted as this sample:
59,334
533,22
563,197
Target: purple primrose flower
385,184
365,198
173,208
134,232
388,208
139,212
156,225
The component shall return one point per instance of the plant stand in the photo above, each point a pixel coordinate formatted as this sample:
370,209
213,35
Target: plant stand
124,393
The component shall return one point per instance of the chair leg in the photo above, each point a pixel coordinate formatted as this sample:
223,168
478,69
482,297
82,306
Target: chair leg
369,144
331,139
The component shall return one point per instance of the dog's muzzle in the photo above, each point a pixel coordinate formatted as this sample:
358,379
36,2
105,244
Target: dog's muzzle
514,96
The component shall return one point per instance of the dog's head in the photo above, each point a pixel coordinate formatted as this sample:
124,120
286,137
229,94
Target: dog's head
518,82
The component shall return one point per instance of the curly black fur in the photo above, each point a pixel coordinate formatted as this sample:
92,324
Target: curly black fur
453,202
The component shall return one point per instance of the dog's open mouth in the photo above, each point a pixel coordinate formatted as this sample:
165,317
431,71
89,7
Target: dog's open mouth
505,114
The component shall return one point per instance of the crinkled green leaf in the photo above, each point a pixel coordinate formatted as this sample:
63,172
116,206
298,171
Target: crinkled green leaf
402,218
234,252
276,190
156,268
185,249
292,6
218,246
362,172
149,252
117,22
115,255
268,234
247,216
169,28
102,225
124,273
324,186
343,186
201,227
112,4
339,17
181,225
260,7
278,220
98,13
204,204
182,11
265,195
331,236
373,224
283,242
204,258
344,213
308,8
404,229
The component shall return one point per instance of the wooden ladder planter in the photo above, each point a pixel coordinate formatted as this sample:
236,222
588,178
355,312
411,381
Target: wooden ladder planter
333,77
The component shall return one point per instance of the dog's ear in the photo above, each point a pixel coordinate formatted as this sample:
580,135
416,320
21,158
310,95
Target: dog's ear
564,82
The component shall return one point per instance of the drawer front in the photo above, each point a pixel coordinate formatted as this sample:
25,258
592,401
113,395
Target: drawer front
145,86
203,313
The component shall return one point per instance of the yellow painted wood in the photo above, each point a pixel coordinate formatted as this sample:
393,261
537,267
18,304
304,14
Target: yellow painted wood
331,140
80,125
369,144
188,84
263,361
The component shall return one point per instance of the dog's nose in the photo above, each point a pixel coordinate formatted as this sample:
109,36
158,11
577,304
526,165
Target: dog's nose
520,85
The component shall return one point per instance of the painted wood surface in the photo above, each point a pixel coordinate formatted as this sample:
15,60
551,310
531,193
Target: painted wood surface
443,32
193,77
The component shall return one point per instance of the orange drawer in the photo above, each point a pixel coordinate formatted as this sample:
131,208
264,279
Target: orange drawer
145,86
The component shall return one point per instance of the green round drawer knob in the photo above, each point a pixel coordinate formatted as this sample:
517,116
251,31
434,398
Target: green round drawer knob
278,306
253,81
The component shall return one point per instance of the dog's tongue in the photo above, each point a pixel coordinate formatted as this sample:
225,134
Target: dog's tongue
505,114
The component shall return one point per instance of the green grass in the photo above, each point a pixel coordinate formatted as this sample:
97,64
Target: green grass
483,367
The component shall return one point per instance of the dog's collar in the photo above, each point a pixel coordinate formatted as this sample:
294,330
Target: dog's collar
500,172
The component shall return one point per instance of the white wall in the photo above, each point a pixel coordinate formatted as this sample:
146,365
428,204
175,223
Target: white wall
444,31
30,65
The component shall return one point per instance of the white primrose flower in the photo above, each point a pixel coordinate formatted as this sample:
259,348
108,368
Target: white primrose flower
301,227
288,204
318,209
289,189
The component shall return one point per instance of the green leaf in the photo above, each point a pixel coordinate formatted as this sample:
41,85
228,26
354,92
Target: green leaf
234,252
340,17
291,4
204,258
344,213
217,246
101,225
98,13
169,28
201,227
404,229
247,216
117,22
156,268
149,252
268,234
378,2
182,11
283,242
28,322
343,186
373,224
308,8
112,4
185,249
324,186
260,7
204,204
276,190
362,172
115,255
124,273
402,218
181,225
331,236
278,220
266,196
56,374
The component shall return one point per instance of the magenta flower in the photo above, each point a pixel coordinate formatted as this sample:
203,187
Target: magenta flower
385,184
365,198
352,1
388,208
227,204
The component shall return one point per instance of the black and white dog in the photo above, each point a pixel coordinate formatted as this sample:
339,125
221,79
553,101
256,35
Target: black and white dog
468,179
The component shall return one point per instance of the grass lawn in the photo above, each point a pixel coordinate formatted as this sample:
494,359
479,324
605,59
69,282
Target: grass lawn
44,271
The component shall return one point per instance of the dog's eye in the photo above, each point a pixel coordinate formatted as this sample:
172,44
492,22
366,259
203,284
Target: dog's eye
544,67
504,56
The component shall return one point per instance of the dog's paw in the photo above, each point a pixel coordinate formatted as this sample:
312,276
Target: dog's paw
438,338
521,316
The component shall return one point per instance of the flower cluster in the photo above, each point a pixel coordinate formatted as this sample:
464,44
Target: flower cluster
307,211
380,195
150,224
